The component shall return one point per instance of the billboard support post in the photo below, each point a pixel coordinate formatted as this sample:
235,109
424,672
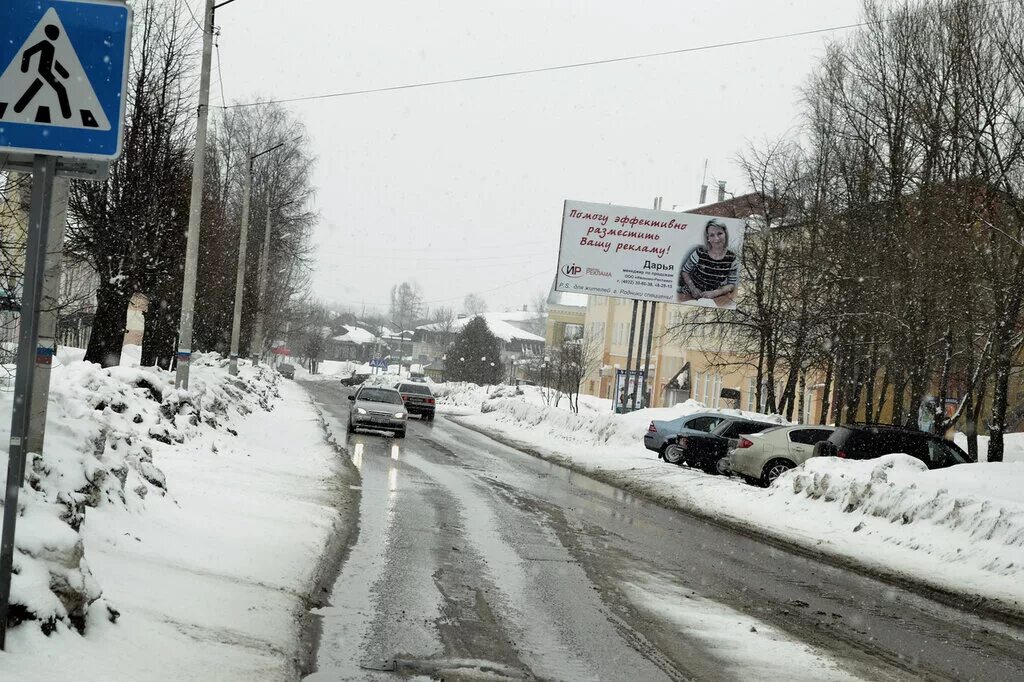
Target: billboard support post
639,355
629,359
647,363
650,336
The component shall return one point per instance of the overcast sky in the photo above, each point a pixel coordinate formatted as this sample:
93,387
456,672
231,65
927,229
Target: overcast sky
460,187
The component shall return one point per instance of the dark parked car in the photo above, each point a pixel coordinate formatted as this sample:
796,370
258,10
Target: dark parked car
354,379
287,370
418,399
868,441
660,431
707,450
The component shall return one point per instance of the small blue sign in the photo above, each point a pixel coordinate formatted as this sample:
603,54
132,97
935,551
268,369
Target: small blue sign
63,77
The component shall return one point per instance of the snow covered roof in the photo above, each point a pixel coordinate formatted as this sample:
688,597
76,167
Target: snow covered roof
357,336
497,323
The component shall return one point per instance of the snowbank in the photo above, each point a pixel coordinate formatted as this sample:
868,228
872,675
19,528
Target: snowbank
590,429
970,515
213,578
102,426
179,531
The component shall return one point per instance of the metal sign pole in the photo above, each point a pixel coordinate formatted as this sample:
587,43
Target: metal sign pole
243,245
48,313
644,402
629,359
43,171
639,356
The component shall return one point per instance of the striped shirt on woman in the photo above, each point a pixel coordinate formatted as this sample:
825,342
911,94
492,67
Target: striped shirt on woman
707,273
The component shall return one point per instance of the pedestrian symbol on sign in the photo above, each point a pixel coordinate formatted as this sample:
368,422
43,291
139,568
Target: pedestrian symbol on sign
49,82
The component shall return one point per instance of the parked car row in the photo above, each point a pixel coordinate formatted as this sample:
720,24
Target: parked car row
762,451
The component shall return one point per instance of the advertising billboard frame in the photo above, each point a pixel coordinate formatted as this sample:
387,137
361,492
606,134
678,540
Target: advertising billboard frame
644,254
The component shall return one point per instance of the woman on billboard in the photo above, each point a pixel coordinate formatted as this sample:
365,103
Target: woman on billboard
710,271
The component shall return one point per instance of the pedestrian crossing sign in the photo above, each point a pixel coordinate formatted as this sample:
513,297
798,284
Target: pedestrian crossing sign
63,77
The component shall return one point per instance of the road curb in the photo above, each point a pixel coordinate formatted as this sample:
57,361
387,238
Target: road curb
345,502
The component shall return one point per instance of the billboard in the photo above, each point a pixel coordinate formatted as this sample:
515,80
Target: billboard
649,255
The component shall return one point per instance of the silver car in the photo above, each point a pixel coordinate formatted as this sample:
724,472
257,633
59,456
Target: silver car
766,456
660,431
376,407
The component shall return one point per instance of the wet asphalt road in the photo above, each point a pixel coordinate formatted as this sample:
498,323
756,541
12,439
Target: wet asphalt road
476,561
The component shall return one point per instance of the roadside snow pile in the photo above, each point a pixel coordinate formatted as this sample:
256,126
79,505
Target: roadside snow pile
541,424
972,513
463,397
103,428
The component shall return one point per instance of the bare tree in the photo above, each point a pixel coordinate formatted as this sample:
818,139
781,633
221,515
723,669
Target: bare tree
131,227
574,361
474,304
406,308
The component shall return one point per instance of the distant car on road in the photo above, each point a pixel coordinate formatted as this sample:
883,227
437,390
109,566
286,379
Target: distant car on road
868,441
354,379
376,407
775,451
419,399
286,370
707,450
660,431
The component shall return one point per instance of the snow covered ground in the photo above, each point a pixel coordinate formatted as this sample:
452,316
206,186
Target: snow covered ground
182,532
959,530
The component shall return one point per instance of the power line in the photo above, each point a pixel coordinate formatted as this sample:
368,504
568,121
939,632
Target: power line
560,67
485,291
220,72
193,15
576,65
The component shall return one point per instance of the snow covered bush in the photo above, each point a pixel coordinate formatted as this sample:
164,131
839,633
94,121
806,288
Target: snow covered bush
105,429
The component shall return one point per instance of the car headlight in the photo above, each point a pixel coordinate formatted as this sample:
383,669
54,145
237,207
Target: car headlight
400,415
360,410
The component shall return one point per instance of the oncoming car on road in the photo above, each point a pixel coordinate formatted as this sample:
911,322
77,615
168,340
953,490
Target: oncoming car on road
376,407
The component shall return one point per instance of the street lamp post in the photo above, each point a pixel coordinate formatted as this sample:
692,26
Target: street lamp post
195,211
256,343
243,246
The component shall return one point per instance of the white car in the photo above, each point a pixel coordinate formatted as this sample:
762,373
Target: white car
767,455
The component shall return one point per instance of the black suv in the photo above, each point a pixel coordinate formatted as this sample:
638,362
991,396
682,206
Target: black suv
868,441
418,399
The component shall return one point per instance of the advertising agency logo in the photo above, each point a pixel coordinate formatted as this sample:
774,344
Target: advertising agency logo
572,270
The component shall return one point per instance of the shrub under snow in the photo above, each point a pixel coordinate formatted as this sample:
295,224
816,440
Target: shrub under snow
105,431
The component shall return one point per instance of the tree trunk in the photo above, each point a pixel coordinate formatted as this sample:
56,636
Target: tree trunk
108,326
971,429
826,393
898,398
161,329
1000,402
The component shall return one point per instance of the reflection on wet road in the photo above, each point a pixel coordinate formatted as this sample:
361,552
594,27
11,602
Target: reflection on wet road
476,561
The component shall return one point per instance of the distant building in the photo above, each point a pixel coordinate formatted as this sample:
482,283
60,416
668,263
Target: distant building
567,315
432,340
354,344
